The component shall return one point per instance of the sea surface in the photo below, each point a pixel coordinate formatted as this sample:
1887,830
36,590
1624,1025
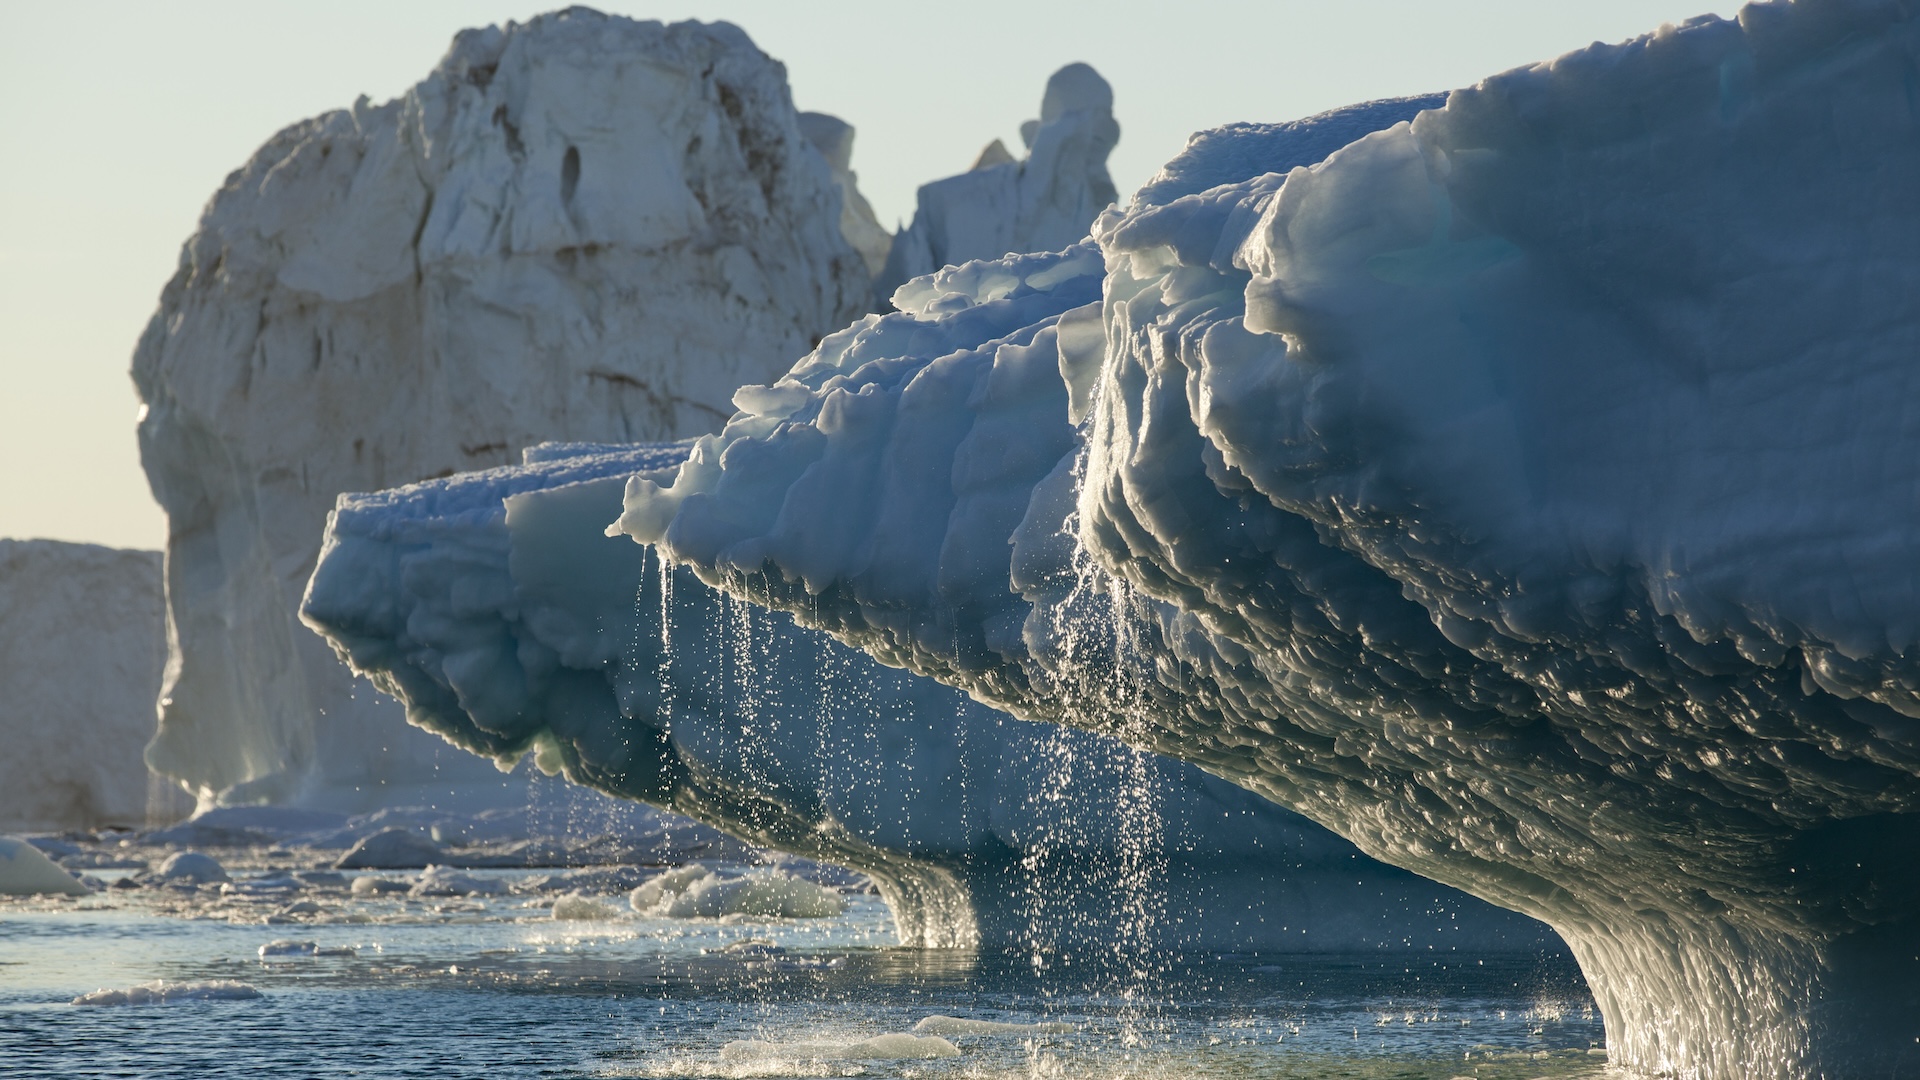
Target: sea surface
395,985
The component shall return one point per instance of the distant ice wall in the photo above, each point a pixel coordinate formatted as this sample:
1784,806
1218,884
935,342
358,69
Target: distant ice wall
581,227
1042,202
82,643
1525,492
497,608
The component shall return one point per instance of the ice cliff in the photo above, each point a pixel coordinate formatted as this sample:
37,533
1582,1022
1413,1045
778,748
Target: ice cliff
1520,492
496,607
1042,202
82,642
580,227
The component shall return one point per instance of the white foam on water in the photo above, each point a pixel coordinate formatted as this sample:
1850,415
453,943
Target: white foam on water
162,992
579,908
955,1025
890,1047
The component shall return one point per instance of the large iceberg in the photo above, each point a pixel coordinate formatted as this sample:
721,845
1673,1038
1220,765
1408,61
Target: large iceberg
82,642
578,227
495,606
1519,492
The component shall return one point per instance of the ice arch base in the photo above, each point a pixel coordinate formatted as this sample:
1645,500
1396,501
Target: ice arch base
496,608
1520,492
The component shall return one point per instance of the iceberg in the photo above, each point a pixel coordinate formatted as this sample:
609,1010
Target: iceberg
582,227
494,605
1519,492
82,643
1041,202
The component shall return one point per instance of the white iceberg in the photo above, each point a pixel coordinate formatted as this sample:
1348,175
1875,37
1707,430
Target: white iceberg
82,642
25,870
1522,492
1041,202
583,226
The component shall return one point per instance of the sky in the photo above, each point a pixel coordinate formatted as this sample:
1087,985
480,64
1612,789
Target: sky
119,119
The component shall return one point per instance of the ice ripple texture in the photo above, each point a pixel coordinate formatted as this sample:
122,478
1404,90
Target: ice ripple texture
1523,492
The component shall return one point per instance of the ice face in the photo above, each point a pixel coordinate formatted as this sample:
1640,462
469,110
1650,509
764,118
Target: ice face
1519,492
83,640
496,607
580,227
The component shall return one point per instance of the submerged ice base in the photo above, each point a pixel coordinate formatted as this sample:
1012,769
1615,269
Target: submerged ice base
495,606
1523,492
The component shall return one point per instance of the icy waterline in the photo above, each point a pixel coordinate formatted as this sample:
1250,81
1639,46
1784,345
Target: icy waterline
421,982
1521,492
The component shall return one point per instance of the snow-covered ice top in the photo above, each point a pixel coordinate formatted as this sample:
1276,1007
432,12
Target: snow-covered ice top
580,227
1521,491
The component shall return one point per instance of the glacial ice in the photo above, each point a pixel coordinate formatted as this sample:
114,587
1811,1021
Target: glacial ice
493,604
579,227
1519,492
696,892
25,870
192,867
1042,202
83,640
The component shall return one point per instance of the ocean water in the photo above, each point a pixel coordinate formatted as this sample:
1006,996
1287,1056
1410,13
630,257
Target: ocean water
494,986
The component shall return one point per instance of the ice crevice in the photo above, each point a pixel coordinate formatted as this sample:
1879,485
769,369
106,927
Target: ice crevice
1519,492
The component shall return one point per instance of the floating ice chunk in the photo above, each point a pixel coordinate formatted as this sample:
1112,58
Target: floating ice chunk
391,849
191,867
374,886
697,892
26,869
443,881
954,1025
574,907
283,947
162,992
82,644
895,1047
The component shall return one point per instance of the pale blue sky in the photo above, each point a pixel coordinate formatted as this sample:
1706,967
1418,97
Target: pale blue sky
121,118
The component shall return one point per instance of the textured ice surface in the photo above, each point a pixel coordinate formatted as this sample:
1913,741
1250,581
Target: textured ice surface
495,606
82,642
24,869
1523,492
193,867
1042,202
579,227
697,892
